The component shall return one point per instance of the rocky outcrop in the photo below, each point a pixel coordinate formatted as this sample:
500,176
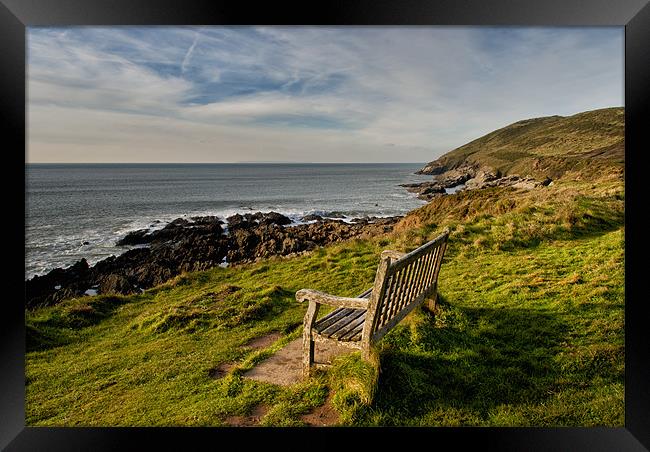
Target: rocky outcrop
58,284
426,190
459,175
175,231
473,178
433,168
196,244
252,242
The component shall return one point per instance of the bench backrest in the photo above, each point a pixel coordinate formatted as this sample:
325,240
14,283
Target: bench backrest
402,284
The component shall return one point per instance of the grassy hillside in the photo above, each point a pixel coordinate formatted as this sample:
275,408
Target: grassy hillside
547,146
529,329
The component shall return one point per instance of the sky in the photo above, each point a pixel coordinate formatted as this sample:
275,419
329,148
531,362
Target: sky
303,94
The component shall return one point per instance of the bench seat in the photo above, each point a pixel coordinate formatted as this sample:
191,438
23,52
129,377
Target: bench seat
343,324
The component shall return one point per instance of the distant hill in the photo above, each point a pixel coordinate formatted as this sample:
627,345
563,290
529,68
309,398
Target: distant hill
543,147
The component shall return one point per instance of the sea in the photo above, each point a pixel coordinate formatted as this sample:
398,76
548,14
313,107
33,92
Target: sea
75,211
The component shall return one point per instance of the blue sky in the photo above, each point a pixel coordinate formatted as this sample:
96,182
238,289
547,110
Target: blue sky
303,94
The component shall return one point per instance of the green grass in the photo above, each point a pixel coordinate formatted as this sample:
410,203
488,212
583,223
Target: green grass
520,338
529,328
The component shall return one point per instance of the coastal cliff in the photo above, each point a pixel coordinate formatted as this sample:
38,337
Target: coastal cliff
531,153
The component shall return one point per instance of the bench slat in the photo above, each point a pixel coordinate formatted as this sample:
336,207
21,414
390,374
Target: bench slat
340,323
439,261
432,268
424,280
337,314
408,270
332,318
399,316
356,337
410,292
350,329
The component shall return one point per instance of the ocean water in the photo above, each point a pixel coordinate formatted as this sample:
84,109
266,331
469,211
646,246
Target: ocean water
81,210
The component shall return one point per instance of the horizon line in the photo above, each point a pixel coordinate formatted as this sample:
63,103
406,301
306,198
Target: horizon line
212,163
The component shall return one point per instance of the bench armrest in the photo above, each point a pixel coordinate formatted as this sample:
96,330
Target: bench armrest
331,300
392,254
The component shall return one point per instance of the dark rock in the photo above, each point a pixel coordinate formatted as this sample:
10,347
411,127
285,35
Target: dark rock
272,218
114,283
421,187
257,218
432,190
457,176
73,281
433,168
184,246
139,237
335,214
175,231
312,217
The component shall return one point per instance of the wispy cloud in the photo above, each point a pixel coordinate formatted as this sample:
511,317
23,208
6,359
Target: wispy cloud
303,93
188,55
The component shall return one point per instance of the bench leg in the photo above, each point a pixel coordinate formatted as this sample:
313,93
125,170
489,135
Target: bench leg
307,341
431,302
307,354
367,352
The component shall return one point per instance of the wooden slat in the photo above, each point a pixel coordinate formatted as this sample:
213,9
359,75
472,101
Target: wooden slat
410,285
432,275
425,280
432,266
404,290
344,334
383,303
398,317
332,317
417,284
347,344
413,284
439,262
337,314
342,322
365,294
400,293
356,337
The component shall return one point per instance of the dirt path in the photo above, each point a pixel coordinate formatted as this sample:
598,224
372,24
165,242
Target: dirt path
257,343
285,367
322,416
252,420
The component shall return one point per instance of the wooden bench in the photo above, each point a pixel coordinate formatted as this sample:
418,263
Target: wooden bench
402,282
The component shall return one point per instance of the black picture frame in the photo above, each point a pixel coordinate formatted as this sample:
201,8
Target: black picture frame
634,15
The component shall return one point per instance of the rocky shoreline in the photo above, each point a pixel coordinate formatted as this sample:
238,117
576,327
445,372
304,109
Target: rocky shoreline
196,244
467,177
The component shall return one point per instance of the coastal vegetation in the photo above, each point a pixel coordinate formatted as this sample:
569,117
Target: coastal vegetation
528,329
